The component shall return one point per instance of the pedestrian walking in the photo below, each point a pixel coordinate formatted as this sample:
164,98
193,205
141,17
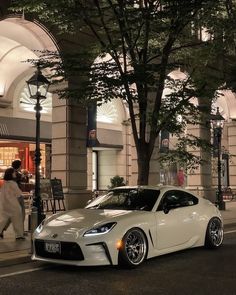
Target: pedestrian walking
19,178
10,208
16,164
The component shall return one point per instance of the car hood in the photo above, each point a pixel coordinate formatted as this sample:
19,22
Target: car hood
78,221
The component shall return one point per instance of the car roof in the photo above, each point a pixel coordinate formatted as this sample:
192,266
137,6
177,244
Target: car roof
159,187
153,187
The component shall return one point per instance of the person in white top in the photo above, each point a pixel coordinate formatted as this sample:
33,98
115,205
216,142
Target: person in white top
9,204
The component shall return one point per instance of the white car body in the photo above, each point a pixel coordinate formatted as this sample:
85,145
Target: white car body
179,228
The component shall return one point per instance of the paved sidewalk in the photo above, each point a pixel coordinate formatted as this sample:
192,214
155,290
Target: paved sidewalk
15,252
12,251
229,215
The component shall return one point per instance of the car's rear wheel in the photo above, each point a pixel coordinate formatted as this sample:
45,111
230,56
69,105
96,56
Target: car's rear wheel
214,233
134,248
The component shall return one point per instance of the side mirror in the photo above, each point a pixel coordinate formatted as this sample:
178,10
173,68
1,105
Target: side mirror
166,208
89,201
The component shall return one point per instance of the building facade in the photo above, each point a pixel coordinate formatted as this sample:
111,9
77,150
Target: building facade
65,151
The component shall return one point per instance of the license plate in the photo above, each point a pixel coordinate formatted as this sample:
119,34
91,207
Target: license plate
52,247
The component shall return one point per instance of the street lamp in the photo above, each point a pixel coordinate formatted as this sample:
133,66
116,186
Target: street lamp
38,88
218,123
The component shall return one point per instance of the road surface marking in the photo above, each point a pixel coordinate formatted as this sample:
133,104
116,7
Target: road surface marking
21,272
230,232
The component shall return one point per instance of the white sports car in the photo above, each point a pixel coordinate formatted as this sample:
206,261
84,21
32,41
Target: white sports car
127,226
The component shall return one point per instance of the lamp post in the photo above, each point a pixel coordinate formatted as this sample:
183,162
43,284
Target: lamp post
38,88
217,122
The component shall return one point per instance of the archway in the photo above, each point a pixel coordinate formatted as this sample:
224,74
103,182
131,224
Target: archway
22,40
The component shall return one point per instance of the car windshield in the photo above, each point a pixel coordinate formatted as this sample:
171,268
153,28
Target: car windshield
126,199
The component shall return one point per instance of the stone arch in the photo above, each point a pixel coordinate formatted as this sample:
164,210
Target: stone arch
112,113
20,40
226,102
205,178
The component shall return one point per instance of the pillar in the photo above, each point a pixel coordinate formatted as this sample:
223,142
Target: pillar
200,180
232,153
69,151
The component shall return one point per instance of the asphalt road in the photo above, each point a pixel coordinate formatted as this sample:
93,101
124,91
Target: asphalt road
196,271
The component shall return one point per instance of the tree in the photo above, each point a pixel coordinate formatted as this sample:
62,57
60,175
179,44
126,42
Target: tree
116,181
140,42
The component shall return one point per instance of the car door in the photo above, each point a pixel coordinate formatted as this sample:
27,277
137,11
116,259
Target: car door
176,219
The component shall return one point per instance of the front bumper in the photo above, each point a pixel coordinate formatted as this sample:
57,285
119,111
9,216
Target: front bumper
71,253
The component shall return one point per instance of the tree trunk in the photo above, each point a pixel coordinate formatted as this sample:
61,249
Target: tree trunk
143,166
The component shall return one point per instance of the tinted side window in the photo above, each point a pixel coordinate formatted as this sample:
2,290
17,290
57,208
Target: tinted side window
170,199
176,199
188,199
148,198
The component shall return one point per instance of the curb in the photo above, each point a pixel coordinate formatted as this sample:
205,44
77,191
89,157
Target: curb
13,258
228,225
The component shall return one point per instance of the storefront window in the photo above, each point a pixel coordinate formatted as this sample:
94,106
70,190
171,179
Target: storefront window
11,150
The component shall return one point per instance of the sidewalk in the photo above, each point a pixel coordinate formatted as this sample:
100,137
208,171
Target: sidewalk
12,251
15,252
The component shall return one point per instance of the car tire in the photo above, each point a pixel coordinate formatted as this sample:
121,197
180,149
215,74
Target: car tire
134,248
214,233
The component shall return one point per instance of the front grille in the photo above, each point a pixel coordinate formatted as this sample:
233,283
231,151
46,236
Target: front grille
69,251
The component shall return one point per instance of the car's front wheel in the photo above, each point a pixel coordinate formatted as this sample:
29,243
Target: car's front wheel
134,248
214,233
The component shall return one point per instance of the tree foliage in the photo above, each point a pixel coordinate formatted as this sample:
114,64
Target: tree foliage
116,181
140,42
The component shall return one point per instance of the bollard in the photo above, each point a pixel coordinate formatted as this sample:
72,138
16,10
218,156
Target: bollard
33,224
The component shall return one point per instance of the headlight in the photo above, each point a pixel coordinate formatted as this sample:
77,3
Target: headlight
100,230
40,227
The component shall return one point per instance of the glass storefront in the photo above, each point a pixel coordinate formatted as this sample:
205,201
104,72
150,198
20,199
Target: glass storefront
11,150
